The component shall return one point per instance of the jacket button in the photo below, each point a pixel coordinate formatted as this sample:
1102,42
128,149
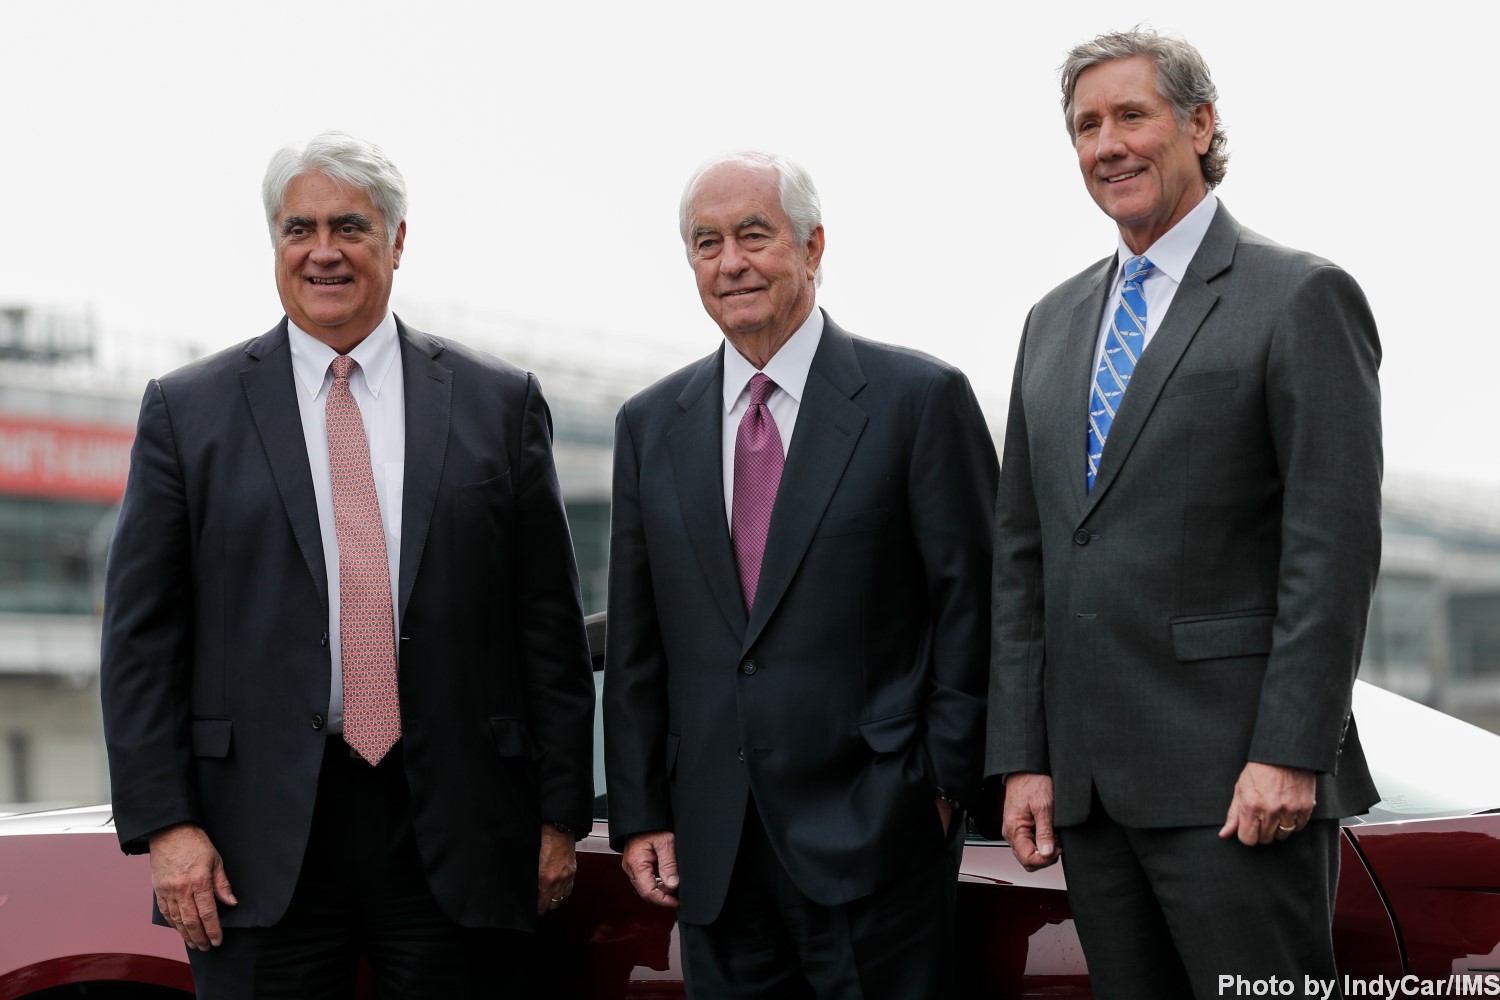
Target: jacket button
324,640
317,721
748,667
1081,536
740,753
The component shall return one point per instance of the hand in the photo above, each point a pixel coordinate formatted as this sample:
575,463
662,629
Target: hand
1270,803
1027,820
945,813
650,863
188,877
555,868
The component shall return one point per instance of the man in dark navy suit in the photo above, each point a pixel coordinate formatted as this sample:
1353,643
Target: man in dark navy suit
347,693
799,573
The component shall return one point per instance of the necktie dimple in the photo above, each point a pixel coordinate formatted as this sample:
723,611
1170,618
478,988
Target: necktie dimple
1123,343
367,636
758,460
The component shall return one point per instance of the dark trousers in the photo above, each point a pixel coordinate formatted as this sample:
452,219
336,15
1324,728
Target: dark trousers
362,892
771,942
1166,913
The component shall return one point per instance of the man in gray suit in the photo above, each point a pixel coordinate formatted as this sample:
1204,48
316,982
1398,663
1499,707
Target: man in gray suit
1187,537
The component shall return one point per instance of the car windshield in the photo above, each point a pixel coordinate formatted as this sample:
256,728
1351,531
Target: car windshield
1425,763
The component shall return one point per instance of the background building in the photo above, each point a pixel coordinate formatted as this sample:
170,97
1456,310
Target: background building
67,414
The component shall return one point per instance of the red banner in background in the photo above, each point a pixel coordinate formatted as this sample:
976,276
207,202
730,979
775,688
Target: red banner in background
65,461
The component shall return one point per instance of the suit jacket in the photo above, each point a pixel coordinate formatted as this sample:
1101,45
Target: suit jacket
855,689
1205,604
215,673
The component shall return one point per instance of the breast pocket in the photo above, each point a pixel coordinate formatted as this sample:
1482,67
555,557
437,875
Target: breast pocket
855,523
495,490
1192,383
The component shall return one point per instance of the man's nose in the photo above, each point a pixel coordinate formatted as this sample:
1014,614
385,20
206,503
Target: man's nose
325,251
1111,142
731,258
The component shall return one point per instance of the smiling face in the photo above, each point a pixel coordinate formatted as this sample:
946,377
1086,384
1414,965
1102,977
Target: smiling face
1140,166
334,265
755,278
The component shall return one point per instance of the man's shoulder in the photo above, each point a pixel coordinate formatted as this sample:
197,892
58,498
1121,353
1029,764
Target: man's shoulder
1254,251
881,359
1067,294
669,388
461,358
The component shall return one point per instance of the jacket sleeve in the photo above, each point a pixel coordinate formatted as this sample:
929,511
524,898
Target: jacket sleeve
635,690
1017,737
952,487
147,639
1323,400
552,646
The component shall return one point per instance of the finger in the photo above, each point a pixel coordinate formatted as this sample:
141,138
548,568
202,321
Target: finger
192,926
208,916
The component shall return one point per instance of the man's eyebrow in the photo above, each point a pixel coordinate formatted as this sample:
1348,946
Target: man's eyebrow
703,231
357,219
753,221
296,222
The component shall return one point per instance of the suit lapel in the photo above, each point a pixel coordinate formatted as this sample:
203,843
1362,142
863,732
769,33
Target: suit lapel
429,408
270,390
1190,307
828,427
1071,370
697,449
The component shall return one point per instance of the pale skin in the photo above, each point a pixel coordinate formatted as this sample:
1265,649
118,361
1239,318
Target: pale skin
1270,802
757,281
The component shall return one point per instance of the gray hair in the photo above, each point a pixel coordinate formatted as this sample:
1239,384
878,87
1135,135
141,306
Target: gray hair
799,197
1182,79
346,160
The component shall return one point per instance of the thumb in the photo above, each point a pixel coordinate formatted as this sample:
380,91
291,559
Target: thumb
667,865
222,888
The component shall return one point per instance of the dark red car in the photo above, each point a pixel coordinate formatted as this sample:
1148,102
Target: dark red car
1418,903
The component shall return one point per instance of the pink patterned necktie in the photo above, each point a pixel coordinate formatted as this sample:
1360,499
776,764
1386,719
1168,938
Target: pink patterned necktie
758,459
367,634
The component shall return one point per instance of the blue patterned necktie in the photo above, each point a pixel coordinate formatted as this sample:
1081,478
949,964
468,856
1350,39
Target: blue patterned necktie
1123,343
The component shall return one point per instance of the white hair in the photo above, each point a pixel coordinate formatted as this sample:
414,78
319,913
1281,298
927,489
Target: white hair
799,196
342,158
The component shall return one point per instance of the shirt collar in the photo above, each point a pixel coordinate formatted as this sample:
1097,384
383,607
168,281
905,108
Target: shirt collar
311,357
1173,250
788,367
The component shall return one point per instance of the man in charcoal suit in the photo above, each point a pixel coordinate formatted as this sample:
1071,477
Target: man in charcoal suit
1187,537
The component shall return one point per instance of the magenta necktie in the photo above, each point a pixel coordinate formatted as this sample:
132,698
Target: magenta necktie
367,634
757,473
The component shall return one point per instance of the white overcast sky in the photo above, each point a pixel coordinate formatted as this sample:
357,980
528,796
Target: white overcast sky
545,145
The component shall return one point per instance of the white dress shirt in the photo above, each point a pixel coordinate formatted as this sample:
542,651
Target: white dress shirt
1171,254
788,368
377,389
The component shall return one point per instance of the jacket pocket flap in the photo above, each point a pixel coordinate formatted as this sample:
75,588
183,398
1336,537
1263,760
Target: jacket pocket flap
1219,636
513,738
891,734
211,737
852,523
495,488
1210,381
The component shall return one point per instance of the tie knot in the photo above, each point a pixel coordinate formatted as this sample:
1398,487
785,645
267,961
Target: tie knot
1136,268
342,366
760,389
